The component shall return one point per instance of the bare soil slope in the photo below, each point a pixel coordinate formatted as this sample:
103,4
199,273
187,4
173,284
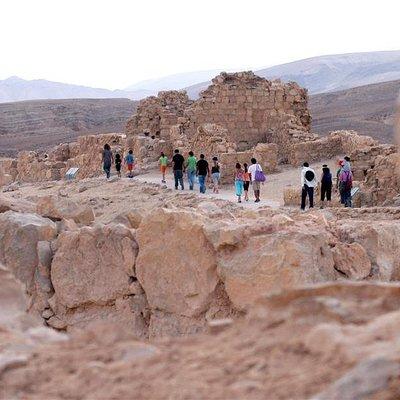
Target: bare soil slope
367,109
39,124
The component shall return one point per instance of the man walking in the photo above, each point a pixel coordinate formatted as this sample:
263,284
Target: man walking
202,171
255,169
178,161
308,183
191,166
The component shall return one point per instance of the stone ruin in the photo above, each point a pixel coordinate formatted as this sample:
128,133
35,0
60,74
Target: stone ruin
85,153
235,113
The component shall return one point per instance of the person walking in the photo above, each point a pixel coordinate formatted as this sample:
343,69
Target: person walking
346,184
246,181
202,171
118,162
107,159
308,183
326,185
191,166
163,160
215,175
239,179
256,174
178,168
129,161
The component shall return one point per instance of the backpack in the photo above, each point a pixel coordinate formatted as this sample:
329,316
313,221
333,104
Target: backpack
346,184
309,175
259,175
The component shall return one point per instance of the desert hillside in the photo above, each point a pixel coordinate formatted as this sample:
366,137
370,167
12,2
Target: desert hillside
367,109
39,124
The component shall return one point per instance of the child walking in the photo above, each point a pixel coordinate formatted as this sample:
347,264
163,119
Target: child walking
163,166
129,160
215,175
118,163
239,181
246,181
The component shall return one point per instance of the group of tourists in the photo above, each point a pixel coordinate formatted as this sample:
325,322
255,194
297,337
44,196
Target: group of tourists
108,159
344,184
199,172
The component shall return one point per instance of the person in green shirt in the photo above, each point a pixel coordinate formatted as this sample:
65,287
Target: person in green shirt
191,169
163,166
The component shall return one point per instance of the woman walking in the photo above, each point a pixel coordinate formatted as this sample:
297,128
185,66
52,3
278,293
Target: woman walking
246,181
215,175
107,159
239,182
326,185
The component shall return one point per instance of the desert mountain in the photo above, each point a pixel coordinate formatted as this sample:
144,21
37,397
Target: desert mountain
368,109
318,74
331,73
17,89
27,125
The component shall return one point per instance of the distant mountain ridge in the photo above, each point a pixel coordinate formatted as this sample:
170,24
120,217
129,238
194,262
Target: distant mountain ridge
318,74
330,73
17,89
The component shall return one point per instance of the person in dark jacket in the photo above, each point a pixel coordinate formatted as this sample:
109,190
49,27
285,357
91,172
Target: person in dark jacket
326,185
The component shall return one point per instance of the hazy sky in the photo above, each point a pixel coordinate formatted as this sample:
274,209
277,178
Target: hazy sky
116,43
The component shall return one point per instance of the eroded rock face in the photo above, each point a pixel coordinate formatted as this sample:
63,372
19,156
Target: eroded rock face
176,265
58,208
269,262
93,265
19,237
381,241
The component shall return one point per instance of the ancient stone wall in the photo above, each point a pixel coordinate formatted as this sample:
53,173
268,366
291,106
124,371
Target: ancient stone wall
266,155
86,154
155,115
247,108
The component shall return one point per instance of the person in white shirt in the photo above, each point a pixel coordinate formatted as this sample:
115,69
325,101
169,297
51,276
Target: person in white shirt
254,167
308,183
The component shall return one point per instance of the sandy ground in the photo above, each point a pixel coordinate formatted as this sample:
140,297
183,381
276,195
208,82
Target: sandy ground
271,190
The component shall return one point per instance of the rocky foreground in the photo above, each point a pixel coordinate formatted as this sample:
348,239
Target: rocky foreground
120,289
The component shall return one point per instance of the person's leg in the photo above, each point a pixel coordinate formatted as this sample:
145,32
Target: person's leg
190,176
201,183
329,195
181,179
303,198
176,179
311,196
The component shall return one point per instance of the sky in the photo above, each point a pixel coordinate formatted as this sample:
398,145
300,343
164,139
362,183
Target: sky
116,43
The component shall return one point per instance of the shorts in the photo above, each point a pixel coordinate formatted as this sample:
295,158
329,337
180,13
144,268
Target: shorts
118,167
163,168
130,167
246,185
215,178
256,185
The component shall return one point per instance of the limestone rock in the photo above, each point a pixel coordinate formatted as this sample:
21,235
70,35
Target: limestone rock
56,208
93,265
352,260
267,263
19,237
13,204
174,280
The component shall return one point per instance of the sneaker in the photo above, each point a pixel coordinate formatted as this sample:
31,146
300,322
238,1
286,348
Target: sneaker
176,187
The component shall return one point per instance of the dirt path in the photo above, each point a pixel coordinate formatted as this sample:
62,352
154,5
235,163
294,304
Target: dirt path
271,190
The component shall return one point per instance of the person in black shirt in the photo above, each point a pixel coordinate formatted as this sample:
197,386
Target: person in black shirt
202,171
178,168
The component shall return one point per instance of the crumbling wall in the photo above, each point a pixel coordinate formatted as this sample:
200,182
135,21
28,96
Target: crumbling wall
86,154
266,155
156,114
247,108
250,107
